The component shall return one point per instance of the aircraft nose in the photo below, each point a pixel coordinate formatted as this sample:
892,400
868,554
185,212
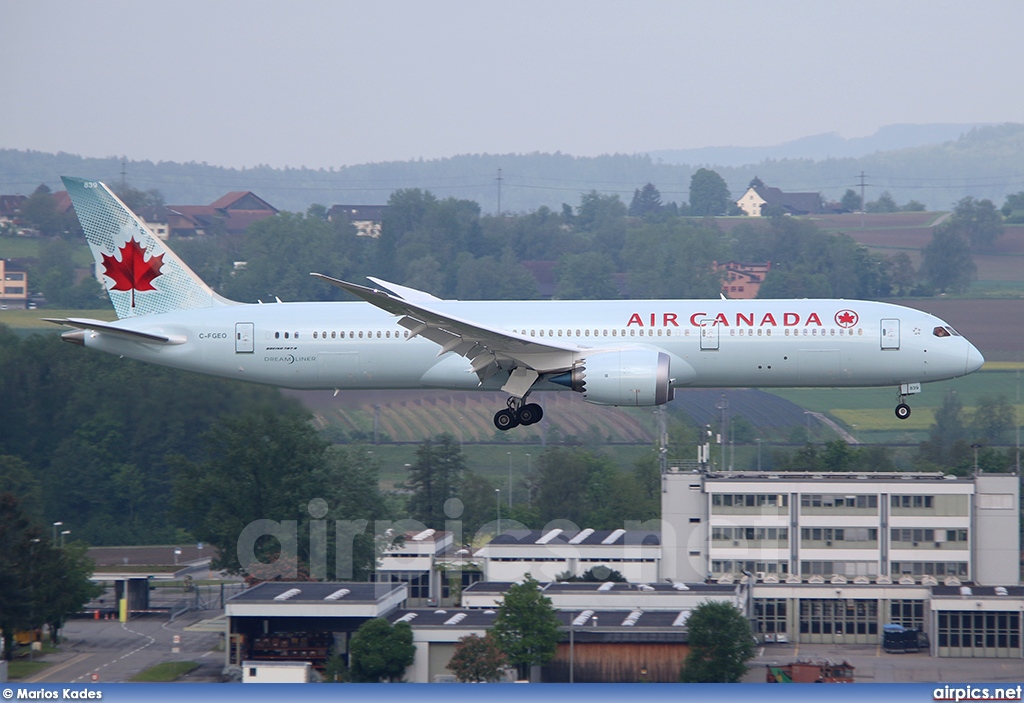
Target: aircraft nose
974,358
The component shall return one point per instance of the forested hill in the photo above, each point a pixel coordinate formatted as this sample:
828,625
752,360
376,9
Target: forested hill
985,163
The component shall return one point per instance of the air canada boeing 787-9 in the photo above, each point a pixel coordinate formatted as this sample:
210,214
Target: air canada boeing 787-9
613,352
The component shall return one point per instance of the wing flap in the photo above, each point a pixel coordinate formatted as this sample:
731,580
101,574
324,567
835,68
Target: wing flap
489,349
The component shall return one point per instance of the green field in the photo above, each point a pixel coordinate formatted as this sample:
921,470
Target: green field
32,320
28,248
866,413
164,672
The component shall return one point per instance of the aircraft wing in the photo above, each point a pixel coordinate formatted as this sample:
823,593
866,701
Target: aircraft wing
84,323
488,349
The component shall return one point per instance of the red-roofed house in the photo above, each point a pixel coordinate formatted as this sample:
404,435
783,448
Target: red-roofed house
230,214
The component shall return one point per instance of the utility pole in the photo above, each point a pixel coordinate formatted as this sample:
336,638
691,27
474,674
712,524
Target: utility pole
862,201
662,441
499,179
124,173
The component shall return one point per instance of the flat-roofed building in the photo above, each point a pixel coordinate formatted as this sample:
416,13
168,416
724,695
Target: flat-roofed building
546,555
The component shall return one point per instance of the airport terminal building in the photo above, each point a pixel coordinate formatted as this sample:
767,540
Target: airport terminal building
810,558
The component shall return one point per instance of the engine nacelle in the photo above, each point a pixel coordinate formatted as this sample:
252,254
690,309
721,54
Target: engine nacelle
628,377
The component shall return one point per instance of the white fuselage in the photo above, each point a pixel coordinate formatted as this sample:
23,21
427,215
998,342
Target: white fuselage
711,343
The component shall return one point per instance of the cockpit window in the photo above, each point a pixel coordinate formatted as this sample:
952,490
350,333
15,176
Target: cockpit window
941,332
952,331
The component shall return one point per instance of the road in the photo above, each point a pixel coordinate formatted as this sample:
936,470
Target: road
116,651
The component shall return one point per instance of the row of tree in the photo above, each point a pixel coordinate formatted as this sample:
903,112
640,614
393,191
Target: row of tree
603,249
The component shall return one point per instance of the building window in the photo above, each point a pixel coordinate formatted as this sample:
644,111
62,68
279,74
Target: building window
909,613
770,614
840,617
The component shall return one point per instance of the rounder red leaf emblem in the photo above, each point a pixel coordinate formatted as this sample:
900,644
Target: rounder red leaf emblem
846,318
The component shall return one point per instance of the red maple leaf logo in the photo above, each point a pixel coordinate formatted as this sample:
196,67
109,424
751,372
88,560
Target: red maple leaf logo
133,272
846,318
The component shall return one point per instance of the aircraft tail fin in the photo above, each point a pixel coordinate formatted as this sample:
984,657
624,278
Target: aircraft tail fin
141,274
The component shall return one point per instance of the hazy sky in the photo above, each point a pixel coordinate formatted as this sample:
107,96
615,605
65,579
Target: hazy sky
320,84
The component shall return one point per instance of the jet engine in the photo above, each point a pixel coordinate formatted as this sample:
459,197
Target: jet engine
621,377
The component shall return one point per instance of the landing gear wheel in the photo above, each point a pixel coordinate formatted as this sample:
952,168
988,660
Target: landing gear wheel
903,411
505,420
530,413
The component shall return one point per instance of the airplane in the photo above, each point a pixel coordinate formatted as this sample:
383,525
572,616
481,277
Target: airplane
612,352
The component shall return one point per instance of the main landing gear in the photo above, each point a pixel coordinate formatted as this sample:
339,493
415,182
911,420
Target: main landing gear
903,410
518,413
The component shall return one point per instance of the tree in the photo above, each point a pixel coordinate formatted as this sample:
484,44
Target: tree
527,628
902,276
946,263
434,478
885,203
41,583
63,585
720,644
586,276
380,650
673,259
1013,206
478,659
138,200
258,466
646,202
850,202
709,195
977,221
946,445
280,252
993,419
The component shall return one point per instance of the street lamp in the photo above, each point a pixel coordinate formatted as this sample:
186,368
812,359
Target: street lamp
497,499
55,526
32,591
509,479
758,440
62,533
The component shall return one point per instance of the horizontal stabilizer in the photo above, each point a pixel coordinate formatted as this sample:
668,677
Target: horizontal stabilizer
81,323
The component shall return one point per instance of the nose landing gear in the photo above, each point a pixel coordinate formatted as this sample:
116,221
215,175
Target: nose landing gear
903,410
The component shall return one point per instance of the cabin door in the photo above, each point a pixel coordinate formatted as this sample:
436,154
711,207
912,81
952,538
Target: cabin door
708,335
243,337
890,334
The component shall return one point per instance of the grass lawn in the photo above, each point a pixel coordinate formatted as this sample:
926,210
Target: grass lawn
28,248
164,672
32,320
23,668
